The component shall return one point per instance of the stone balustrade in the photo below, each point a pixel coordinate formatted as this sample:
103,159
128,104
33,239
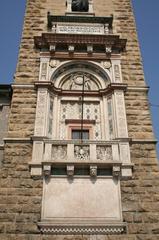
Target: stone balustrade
114,154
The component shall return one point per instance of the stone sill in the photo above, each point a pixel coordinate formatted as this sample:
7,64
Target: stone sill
77,228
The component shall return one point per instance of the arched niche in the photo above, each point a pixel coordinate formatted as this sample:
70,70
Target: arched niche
70,76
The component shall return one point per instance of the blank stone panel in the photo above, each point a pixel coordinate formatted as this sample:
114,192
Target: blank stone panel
81,199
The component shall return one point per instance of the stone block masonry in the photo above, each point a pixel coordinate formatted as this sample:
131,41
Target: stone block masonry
21,195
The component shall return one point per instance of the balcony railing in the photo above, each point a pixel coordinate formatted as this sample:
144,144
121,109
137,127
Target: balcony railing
114,154
85,152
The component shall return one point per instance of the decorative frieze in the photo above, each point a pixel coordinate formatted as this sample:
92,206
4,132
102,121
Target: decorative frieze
108,229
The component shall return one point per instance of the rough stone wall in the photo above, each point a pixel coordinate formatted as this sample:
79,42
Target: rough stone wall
4,113
20,196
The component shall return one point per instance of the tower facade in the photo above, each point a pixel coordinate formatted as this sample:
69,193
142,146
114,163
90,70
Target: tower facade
79,159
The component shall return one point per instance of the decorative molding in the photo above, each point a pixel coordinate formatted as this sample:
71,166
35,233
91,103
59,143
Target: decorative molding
47,228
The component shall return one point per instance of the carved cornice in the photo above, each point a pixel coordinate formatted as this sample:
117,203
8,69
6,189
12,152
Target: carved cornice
49,39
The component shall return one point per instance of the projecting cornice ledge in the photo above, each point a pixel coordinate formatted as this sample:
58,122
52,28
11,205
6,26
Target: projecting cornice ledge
109,89
143,141
47,40
17,140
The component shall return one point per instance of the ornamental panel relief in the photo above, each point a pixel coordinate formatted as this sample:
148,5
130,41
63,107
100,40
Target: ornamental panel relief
59,152
75,82
104,153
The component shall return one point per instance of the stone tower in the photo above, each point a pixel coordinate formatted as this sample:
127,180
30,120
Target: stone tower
79,159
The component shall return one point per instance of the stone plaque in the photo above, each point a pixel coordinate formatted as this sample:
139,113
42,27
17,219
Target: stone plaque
80,28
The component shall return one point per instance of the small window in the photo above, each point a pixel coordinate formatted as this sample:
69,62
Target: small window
80,134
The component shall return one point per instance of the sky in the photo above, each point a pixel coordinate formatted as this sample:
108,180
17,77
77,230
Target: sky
147,21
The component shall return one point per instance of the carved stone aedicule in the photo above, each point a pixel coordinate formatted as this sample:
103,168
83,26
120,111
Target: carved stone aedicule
82,152
59,152
104,153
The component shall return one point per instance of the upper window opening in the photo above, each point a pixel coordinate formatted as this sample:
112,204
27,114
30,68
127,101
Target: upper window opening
80,5
80,134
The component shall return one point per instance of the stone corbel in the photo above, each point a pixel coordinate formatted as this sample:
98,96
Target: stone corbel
70,170
106,28
71,48
116,171
52,48
47,170
90,48
108,50
93,171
